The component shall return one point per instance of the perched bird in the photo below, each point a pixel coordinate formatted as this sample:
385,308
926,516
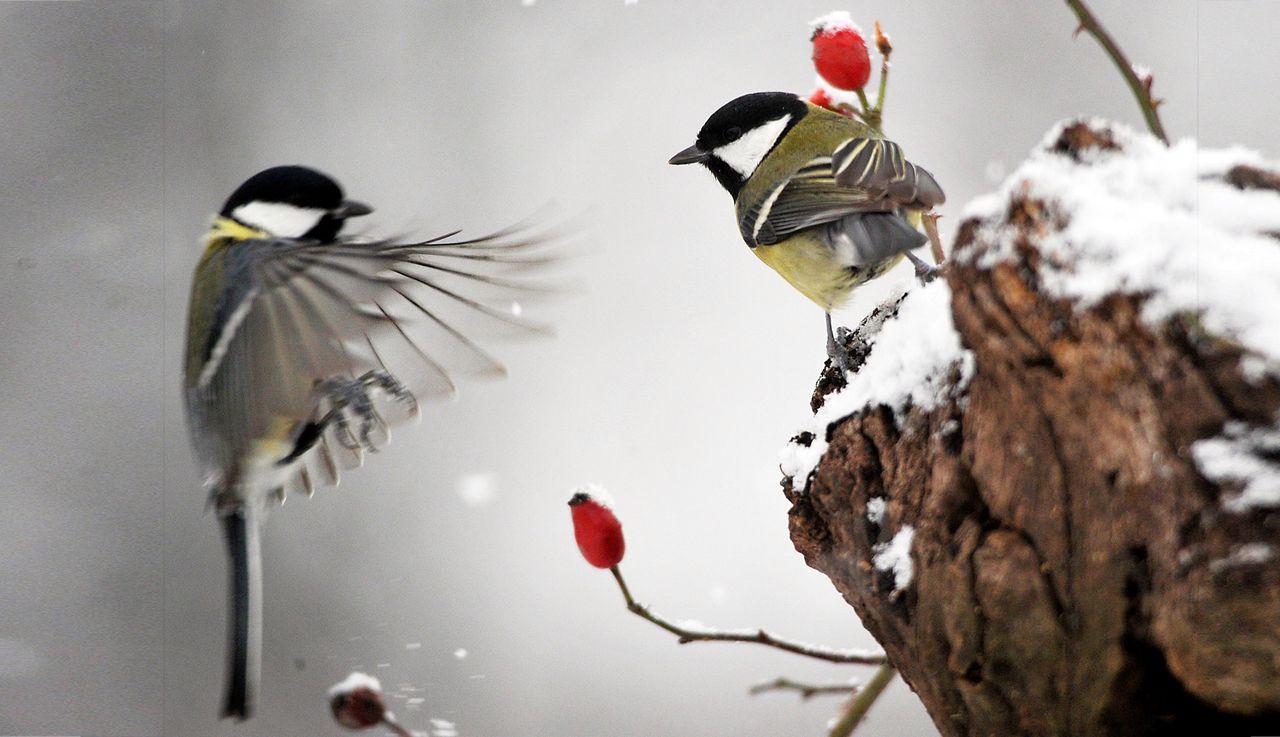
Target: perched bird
303,346
819,197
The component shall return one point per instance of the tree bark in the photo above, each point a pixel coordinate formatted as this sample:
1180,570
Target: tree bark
1074,572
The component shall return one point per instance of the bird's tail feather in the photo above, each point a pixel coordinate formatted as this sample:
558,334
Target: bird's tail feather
240,530
876,236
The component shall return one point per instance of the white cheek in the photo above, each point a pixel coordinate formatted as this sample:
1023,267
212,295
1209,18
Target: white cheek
745,154
278,218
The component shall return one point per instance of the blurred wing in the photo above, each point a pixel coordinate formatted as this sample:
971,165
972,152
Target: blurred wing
341,309
414,309
879,168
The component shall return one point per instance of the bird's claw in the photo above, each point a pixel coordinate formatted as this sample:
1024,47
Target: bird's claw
392,386
353,398
924,272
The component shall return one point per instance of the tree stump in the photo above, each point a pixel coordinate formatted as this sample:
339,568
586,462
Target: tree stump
1074,569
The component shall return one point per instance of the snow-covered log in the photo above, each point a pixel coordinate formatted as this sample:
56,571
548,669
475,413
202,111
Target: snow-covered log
1051,485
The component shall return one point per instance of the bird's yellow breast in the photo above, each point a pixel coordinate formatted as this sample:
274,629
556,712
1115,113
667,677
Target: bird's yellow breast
809,265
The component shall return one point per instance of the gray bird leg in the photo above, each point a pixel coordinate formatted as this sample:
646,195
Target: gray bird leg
924,272
833,348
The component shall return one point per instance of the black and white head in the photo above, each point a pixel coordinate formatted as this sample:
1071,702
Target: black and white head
737,137
292,202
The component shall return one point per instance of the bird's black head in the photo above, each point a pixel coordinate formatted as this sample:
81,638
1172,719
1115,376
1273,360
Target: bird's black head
292,202
737,137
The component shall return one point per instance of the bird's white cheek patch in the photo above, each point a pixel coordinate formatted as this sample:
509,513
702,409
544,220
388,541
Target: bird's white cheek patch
746,153
278,218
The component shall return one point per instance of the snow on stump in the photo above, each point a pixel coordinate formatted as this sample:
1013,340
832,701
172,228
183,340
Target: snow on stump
1072,439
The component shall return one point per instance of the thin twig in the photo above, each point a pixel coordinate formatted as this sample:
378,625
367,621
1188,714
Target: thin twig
806,690
867,110
1088,22
862,703
885,48
760,637
930,222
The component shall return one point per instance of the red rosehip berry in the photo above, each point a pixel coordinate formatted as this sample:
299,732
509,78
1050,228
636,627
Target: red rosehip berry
597,530
840,52
820,98
357,702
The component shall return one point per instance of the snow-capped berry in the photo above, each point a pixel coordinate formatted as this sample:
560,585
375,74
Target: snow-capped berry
840,51
820,98
357,702
597,530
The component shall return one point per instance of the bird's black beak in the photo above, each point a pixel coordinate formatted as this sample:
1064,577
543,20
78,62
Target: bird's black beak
691,155
350,209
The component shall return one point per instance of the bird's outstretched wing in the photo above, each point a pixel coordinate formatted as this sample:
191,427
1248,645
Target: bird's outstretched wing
312,312
863,175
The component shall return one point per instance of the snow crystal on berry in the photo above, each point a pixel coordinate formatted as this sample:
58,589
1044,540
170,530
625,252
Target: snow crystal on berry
836,20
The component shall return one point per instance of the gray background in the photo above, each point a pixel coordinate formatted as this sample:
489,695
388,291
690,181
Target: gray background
675,379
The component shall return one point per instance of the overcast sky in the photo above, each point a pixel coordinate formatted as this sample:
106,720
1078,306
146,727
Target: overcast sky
447,565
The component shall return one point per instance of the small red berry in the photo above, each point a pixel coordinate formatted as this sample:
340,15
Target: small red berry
597,530
840,52
357,702
820,98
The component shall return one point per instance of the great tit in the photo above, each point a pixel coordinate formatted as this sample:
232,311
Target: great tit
819,197
303,346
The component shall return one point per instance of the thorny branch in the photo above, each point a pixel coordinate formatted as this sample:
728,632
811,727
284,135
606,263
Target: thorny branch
1141,89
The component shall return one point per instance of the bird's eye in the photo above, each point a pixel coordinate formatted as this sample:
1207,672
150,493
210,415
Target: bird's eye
733,134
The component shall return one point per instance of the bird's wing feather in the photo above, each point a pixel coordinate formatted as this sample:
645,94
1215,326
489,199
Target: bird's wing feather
879,168
308,312
863,175
809,197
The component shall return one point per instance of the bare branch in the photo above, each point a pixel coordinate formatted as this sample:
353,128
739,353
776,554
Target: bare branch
760,637
863,702
806,690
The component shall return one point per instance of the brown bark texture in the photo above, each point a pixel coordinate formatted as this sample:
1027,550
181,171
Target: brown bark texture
1074,573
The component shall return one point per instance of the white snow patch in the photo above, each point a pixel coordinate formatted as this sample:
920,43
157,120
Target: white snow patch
875,510
1248,554
355,680
1241,455
913,354
460,653
413,646
1254,369
1157,221
895,556
837,96
1142,72
598,493
836,20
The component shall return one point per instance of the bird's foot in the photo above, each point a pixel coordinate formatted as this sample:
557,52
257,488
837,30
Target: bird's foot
379,379
351,399
924,272
835,342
